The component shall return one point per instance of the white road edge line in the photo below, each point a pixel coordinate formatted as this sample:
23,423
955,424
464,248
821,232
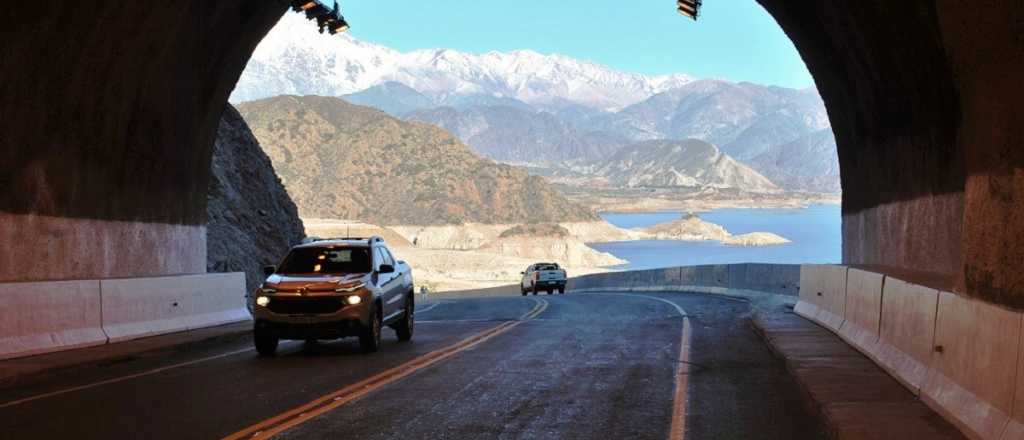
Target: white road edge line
121,378
429,308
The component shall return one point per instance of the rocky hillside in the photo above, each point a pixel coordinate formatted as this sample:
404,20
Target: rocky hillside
809,163
340,160
520,133
690,164
251,220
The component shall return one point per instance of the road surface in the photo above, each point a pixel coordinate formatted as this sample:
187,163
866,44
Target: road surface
574,366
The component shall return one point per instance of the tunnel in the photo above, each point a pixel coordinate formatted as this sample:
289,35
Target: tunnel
110,110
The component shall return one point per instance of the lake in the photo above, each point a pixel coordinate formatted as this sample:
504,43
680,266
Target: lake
815,233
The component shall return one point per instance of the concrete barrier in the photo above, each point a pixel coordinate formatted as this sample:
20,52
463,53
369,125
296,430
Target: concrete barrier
811,286
907,331
783,279
140,307
832,311
221,301
863,311
974,368
49,316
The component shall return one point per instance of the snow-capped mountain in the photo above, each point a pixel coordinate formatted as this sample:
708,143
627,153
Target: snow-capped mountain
295,59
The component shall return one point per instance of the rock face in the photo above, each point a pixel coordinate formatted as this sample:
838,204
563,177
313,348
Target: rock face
809,163
690,164
345,161
252,222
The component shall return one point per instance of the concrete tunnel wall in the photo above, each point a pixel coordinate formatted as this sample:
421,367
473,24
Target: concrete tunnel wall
922,96
111,107
109,113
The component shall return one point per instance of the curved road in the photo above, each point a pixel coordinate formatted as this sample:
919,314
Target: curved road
575,366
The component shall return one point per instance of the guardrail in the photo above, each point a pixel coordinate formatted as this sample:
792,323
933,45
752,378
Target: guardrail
783,279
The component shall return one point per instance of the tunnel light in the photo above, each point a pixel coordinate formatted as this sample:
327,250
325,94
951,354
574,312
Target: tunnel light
689,8
338,26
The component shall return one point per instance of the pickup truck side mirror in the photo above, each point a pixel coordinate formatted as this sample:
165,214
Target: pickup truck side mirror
386,268
269,270
522,273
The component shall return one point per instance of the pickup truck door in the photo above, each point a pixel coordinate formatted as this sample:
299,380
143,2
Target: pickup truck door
391,286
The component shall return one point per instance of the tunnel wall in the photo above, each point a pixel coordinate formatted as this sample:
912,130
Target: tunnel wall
109,114
922,98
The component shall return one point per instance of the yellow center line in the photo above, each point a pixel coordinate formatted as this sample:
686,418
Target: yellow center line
678,429
299,415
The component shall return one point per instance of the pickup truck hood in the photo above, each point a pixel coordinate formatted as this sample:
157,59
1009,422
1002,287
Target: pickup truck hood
312,283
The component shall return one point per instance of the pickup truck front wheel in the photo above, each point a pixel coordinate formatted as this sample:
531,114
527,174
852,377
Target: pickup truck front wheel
266,343
404,327
369,336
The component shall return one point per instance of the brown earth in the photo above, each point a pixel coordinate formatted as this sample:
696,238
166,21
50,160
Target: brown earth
345,161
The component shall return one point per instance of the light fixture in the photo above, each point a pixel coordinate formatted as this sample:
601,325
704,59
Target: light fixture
338,26
689,8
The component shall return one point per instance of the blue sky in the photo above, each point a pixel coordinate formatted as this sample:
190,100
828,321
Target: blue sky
734,39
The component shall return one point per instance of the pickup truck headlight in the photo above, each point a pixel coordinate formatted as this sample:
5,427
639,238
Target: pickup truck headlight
353,300
262,301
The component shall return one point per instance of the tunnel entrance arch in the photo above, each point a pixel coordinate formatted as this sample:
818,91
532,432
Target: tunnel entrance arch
109,132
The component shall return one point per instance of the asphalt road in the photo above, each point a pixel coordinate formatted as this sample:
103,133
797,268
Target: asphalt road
575,366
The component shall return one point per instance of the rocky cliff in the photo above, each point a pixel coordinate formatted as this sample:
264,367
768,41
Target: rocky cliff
343,161
251,220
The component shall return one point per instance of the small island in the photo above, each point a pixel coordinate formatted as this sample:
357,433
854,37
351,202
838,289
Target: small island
692,228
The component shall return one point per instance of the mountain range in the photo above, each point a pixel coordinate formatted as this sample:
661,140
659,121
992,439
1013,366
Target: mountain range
343,161
295,59
552,111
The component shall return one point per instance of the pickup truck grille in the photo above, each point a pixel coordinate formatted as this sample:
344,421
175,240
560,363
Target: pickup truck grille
306,306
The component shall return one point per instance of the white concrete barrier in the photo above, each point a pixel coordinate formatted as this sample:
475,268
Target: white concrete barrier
907,331
863,311
832,308
43,317
811,286
221,301
140,307
973,373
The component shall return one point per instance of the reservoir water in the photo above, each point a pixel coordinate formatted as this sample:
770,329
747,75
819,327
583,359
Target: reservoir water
815,235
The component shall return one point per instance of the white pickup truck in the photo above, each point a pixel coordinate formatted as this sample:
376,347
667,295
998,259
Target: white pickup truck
543,276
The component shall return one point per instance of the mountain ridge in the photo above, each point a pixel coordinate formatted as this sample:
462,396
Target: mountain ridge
294,59
343,161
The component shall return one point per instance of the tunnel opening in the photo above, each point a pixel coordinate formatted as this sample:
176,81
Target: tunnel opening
429,86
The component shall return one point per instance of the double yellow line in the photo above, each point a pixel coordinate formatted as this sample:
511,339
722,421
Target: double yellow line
297,416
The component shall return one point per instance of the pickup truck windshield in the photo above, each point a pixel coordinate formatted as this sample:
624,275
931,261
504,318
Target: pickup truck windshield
327,261
548,267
